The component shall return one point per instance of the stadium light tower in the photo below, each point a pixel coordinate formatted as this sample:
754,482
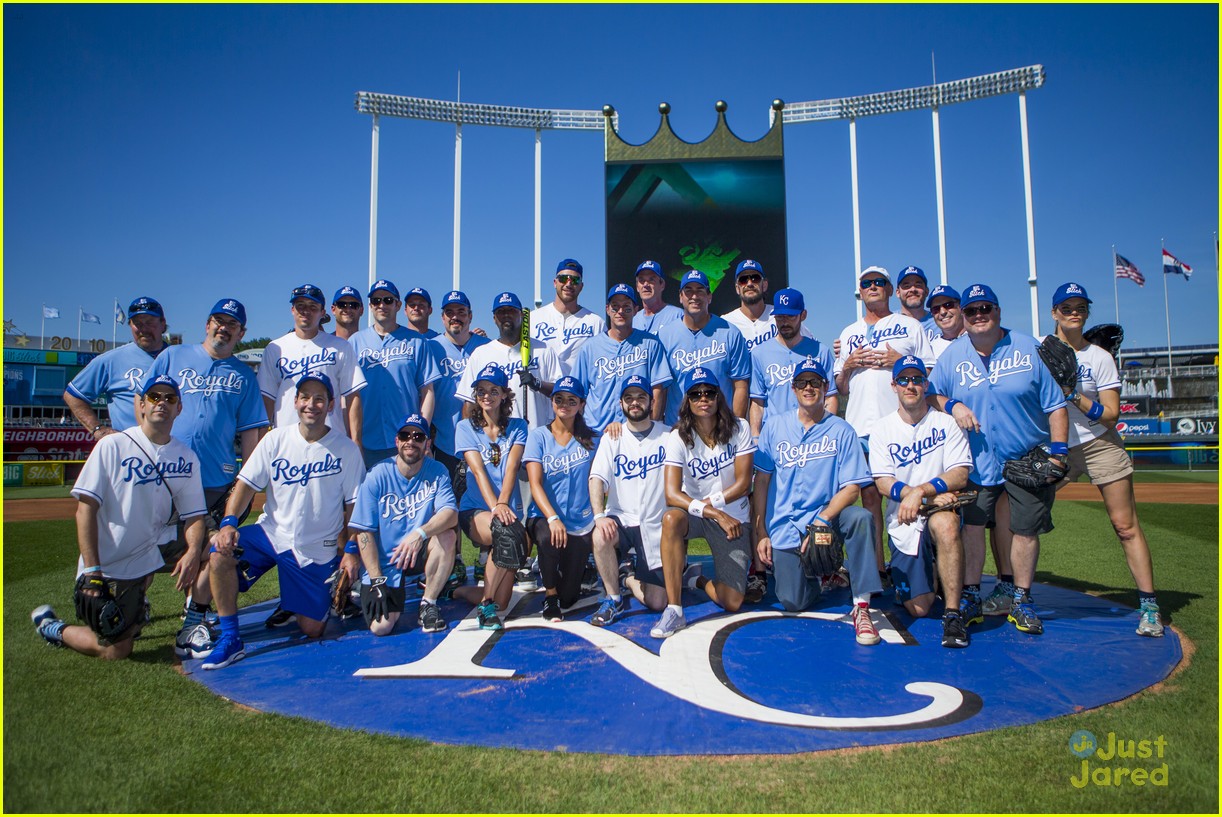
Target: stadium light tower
1014,80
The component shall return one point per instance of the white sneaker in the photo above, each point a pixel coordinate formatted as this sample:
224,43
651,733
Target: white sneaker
668,624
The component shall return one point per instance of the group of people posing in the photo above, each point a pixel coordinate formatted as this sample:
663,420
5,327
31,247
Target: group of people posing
610,439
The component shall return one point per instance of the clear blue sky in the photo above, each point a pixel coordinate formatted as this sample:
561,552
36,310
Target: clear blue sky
190,153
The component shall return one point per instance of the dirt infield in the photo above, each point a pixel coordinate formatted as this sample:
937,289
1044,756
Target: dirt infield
1186,493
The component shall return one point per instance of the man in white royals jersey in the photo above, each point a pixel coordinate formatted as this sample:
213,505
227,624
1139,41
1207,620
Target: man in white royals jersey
628,496
754,315
919,456
311,474
126,495
565,325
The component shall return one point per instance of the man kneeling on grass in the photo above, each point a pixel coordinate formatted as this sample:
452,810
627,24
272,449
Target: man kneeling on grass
127,493
311,474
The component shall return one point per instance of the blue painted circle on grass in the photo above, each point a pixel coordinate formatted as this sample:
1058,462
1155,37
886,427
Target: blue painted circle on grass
1082,743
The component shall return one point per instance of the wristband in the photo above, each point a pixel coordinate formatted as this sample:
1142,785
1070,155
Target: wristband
553,518
939,485
822,521
601,515
424,537
231,521
718,500
1073,396
94,569
351,547
1095,411
897,490
1058,449
696,508
950,405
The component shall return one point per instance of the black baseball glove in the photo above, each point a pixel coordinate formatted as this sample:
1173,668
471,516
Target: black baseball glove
1061,360
822,551
508,544
459,483
1107,336
96,606
1034,469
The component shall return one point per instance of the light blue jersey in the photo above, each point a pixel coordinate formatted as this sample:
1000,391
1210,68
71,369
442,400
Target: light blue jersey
772,366
220,399
1011,401
447,413
117,374
392,506
809,466
469,438
718,347
653,323
566,478
932,330
602,366
396,368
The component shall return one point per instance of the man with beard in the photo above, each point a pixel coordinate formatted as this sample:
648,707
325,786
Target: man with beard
565,325
754,316
655,312
418,306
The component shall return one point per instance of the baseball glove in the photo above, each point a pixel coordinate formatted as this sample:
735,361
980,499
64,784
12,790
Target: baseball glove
1061,360
508,544
341,587
822,551
1034,469
98,609
459,483
961,498
1107,336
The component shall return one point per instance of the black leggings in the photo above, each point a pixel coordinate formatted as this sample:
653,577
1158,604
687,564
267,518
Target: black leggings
561,568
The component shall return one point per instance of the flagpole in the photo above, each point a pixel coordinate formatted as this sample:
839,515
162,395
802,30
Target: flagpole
79,311
114,326
42,328
1167,312
1115,284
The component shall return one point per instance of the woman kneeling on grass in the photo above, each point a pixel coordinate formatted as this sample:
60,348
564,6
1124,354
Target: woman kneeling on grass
1095,449
491,443
560,521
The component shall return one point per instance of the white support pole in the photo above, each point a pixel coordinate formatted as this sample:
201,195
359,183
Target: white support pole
538,217
1031,276
457,198
937,170
373,210
856,213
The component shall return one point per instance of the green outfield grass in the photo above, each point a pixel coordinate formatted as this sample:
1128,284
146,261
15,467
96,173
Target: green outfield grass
80,735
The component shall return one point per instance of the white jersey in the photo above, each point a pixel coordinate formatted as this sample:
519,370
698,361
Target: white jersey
915,454
308,485
635,481
563,332
138,484
869,390
709,470
938,344
287,358
1096,372
760,330
543,364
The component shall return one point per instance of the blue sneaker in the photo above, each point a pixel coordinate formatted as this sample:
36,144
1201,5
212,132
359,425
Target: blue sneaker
969,610
227,650
669,624
486,615
609,611
1023,617
48,624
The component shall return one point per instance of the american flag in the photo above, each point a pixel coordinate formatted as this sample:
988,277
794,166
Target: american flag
1174,266
1126,269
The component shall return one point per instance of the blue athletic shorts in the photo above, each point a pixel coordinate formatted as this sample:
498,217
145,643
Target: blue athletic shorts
913,575
303,590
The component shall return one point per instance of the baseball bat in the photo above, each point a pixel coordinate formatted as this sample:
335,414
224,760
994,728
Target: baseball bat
526,362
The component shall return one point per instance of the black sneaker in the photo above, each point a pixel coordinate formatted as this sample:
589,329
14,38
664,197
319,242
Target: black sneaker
757,586
954,631
279,618
430,619
551,609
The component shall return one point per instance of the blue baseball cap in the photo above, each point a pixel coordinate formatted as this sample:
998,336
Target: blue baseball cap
161,380
699,376
788,301
748,265
145,306
650,266
911,270
506,299
349,291
309,292
317,377
694,277
1070,290
231,307
810,365
569,265
570,385
908,362
636,382
414,421
622,289
422,292
389,286
978,292
942,291
454,296
493,374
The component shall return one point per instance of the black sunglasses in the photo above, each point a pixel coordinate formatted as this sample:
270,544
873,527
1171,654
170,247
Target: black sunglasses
750,278
973,311
387,301
348,304
873,282
313,293
702,394
411,437
914,380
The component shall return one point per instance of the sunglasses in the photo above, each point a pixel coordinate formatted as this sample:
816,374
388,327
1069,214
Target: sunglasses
411,437
808,383
914,380
973,311
1065,309
750,278
313,293
873,282
702,394
947,305
495,456
161,397
569,279
348,304
387,301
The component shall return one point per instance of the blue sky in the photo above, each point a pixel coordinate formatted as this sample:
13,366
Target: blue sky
190,153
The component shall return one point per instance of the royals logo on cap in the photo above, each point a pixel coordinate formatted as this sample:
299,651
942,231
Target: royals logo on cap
621,289
908,362
493,374
788,302
635,382
385,285
748,265
650,266
1069,290
506,299
454,296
